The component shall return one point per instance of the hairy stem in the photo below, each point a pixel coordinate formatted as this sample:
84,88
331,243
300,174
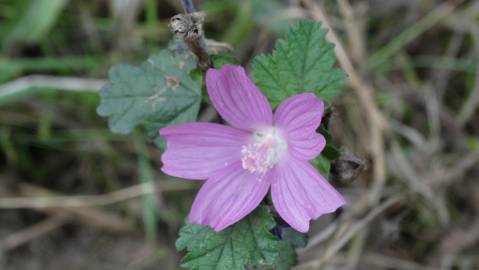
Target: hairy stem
188,6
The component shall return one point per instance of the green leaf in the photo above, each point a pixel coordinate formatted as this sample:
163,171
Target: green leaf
295,238
157,93
287,257
247,243
302,62
323,165
329,152
219,60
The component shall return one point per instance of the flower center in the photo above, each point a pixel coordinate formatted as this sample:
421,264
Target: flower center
265,149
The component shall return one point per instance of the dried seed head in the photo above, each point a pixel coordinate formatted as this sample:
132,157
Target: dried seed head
188,26
347,167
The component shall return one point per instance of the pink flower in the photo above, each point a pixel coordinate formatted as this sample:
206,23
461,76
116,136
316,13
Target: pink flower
258,151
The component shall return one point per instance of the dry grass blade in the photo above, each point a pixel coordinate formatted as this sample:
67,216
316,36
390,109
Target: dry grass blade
24,236
55,82
78,201
377,121
356,227
383,261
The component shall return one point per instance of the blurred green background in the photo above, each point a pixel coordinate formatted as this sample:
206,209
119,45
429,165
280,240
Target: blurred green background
73,195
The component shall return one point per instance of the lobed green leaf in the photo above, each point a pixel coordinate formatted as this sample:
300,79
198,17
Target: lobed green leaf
290,239
301,62
157,93
247,243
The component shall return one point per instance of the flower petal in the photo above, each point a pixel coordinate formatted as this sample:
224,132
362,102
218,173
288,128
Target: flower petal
300,194
197,150
237,99
307,147
228,196
298,117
